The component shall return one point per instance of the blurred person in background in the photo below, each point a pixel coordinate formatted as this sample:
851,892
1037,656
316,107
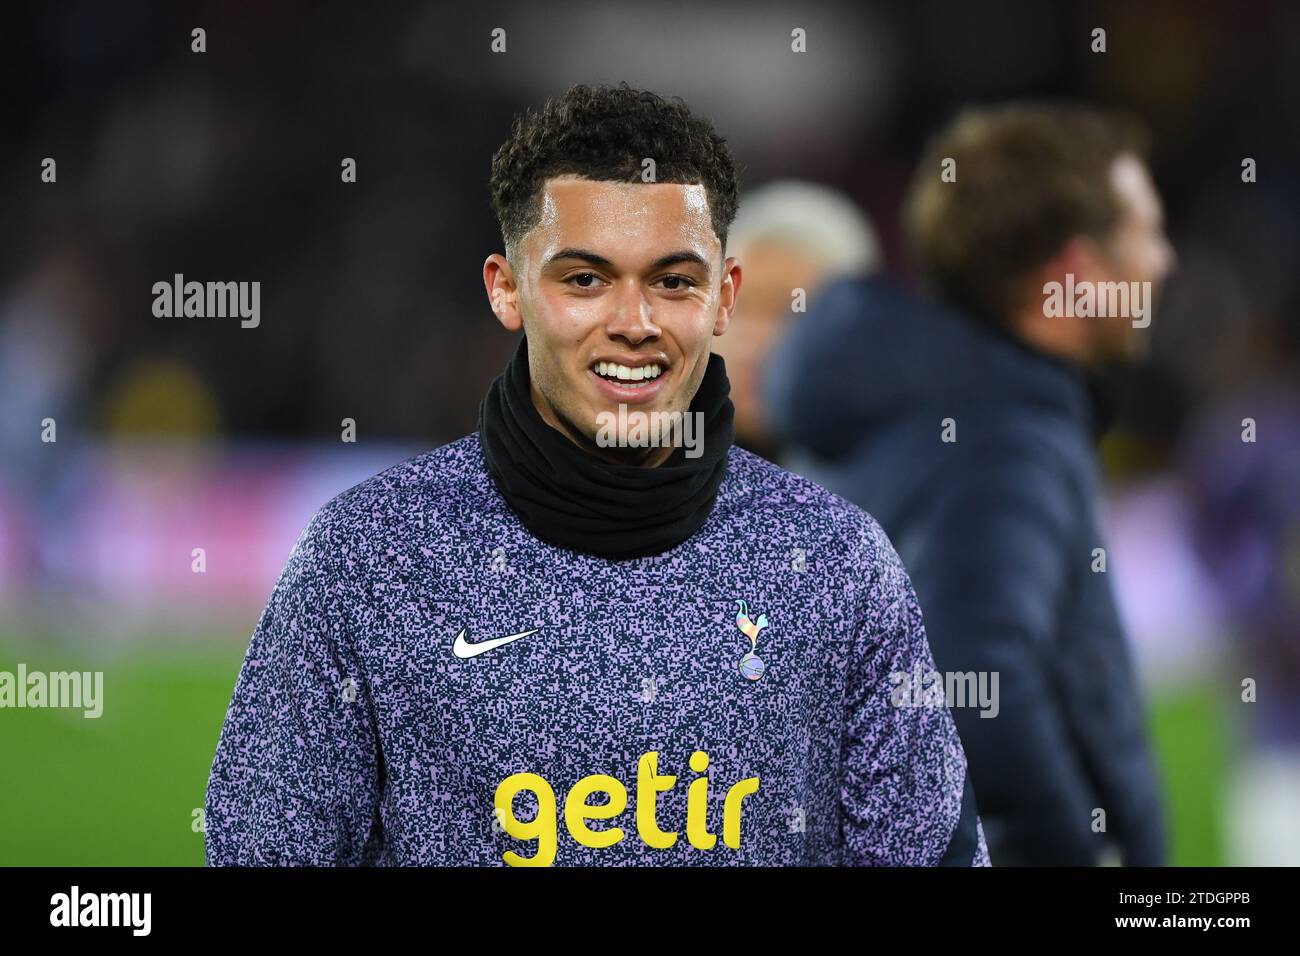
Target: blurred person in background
1246,527
967,424
793,237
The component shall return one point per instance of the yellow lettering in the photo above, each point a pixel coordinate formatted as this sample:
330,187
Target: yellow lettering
648,784
697,806
731,811
542,828
577,811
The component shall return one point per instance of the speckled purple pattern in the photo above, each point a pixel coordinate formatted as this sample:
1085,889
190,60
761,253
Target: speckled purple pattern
356,736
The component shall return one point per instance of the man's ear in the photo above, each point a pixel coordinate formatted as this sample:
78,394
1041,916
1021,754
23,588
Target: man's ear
1082,257
728,295
503,291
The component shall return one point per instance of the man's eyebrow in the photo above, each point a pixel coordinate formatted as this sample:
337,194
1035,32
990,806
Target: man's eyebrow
585,254
683,255
672,258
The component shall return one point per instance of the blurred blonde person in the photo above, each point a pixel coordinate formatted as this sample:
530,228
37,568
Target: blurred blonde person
790,235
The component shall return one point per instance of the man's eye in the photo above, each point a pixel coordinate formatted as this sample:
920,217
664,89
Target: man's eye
582,275
676,283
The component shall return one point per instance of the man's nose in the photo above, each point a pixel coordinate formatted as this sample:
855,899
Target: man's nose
632,316
1171,259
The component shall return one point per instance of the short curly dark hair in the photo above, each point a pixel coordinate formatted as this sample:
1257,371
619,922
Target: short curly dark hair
604,133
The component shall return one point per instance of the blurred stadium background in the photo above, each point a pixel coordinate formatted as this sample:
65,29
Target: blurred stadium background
176,434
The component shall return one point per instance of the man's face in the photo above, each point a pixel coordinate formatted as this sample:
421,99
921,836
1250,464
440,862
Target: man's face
1136,251
627,278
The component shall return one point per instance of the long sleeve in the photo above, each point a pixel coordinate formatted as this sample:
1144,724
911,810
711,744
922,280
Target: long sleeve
991,566
906,798
297,775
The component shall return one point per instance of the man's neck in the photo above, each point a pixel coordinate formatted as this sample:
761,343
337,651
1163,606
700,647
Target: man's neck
1062,339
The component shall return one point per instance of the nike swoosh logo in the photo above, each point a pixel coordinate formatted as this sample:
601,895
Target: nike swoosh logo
465,650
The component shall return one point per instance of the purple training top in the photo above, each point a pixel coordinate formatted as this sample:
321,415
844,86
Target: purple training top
423,658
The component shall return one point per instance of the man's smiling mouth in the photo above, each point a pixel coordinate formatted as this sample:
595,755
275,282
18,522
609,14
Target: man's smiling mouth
628,376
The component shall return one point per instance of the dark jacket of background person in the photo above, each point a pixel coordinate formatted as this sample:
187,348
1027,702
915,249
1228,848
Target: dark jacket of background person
997,530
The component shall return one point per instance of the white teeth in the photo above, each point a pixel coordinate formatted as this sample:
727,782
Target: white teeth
625,374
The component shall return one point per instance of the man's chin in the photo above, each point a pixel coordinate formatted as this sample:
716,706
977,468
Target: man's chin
1138,347
1132,348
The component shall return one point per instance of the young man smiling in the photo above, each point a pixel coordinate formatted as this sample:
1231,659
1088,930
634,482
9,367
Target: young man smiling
476,654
